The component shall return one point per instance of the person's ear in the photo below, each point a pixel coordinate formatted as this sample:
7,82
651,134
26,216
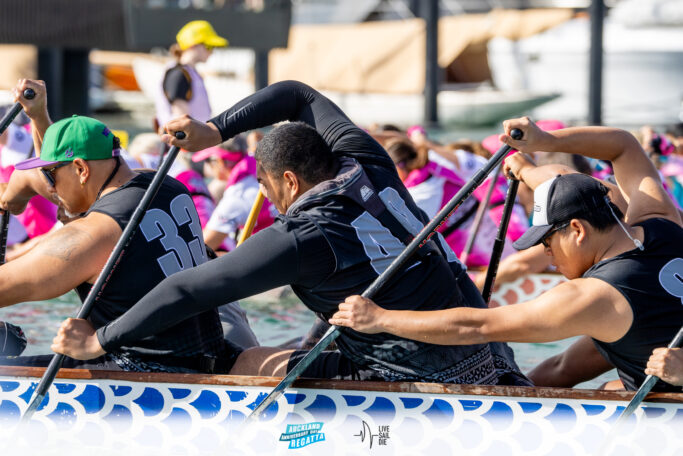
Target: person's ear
82,170
291,181
579,229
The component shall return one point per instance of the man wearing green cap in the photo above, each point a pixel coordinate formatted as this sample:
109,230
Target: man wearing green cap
79,166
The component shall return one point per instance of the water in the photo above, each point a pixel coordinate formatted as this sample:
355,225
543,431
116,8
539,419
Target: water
274,319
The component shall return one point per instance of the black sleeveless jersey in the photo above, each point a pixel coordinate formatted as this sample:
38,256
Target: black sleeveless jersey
169,239
652,282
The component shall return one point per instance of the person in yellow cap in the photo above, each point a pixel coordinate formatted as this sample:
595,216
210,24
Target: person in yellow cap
182,89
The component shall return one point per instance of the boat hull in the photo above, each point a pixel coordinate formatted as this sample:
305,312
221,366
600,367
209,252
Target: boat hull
200,414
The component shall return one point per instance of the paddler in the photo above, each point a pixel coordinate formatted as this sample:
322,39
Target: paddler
625,288
79,162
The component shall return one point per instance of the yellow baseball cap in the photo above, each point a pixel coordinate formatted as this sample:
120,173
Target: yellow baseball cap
199,32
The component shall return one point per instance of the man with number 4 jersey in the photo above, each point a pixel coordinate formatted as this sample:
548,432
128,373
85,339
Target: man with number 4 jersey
625,293
79,164
344,216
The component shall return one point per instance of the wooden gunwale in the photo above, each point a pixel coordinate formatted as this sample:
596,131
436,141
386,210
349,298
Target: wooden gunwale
391,387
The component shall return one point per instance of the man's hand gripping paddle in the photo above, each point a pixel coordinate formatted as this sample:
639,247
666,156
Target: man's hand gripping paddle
638,398
14,111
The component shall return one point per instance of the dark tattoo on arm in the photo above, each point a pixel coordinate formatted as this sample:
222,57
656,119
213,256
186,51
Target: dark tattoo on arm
63,242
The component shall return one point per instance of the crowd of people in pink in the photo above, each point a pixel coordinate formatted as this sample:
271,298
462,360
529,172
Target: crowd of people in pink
223,185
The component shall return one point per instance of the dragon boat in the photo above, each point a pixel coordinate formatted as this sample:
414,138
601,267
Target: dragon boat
88,411
152,413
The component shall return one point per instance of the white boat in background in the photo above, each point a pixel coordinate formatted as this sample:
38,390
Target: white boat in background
643,65
478,106
467,107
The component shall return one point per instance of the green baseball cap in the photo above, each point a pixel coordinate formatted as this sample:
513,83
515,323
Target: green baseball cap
71,138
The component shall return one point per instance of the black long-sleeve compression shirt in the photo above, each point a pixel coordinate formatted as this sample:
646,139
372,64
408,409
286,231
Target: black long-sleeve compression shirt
274,256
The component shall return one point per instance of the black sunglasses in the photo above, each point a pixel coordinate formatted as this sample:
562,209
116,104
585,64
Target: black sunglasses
49,173
546,238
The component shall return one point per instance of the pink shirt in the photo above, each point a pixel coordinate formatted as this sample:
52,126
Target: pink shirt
40,214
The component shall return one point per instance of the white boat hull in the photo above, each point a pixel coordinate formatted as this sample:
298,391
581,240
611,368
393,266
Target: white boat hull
195,414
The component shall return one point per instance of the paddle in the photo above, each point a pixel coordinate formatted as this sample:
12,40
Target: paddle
499,243
637,399
4,123
14,111
4,229
421,239
98,286
251,220
479,216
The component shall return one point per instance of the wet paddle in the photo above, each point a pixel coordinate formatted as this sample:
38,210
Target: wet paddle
98,286
421,239
637,399
4,229
253,217
14,111
499,243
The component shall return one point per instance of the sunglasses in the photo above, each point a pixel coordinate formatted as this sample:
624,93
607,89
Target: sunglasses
546,239
49,173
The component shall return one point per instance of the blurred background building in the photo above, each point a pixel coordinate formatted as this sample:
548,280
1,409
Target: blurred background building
378,59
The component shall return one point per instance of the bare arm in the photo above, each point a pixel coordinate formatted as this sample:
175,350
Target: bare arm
63,260
36,109
636,176
180,108
579,363
213,238
577,307
520,166
24,185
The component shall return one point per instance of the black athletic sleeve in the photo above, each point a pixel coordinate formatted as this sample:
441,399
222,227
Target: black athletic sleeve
295,101
272,257
177,84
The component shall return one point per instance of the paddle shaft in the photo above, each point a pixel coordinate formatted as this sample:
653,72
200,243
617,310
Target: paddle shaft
481,211
4,123
253,217
14,111
499,243
4,229
421,239
103,278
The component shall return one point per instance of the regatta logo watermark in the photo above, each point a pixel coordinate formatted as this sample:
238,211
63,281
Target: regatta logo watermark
366,434
301,435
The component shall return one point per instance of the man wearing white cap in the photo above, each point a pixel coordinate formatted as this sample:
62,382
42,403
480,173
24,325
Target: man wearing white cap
626,273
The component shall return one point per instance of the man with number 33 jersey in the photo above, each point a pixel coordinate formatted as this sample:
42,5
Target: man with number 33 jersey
80,166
